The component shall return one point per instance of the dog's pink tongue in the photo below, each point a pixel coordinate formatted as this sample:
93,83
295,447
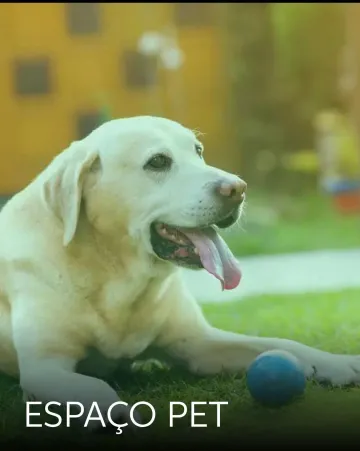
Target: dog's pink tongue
215,256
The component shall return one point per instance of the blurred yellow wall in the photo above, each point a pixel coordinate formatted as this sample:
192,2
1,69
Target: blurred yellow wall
85,67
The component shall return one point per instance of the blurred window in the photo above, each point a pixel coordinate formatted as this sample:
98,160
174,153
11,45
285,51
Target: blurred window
31,76
140,70
83,18
193,14
87,122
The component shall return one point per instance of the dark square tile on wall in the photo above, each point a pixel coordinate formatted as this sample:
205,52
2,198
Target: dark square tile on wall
86,122
83,18
140,70
31,76
193,14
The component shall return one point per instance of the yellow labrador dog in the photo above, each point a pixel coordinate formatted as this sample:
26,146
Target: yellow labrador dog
90,257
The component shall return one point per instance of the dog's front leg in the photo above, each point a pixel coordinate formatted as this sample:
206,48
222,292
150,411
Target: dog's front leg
206,350
219,350
47,357
54,380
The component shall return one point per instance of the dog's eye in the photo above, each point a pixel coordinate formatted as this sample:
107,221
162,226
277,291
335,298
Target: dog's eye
199,150
159,163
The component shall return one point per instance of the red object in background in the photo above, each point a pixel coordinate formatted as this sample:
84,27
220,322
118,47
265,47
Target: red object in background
347,202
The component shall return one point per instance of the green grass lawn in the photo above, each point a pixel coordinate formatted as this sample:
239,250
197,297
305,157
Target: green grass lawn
301,224
329,321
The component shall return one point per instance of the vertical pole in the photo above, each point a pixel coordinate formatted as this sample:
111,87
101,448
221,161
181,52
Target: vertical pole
149,20
351,69
174,78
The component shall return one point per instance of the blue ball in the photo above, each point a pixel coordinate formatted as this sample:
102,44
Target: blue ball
275,378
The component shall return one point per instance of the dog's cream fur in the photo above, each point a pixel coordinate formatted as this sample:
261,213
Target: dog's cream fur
77,271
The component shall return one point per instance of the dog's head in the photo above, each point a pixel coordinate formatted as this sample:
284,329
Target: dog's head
146,177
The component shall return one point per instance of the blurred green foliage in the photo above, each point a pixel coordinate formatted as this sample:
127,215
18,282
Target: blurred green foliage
283,64
279,224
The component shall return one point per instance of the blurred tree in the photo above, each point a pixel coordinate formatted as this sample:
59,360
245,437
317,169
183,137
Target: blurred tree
284,68
351,67
309,41
251,69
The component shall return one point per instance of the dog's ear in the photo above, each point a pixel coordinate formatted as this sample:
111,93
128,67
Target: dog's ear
63,185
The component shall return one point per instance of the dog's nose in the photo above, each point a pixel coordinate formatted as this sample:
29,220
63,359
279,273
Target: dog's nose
233,190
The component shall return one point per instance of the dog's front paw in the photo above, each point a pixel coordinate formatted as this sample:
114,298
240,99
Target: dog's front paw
335,370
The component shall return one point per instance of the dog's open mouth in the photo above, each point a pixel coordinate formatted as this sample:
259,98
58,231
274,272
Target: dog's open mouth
196,249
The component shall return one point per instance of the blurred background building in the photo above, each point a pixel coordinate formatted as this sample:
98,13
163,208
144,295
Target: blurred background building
273,87
63,65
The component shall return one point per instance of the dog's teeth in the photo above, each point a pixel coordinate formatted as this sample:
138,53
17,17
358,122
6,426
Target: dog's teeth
173,236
